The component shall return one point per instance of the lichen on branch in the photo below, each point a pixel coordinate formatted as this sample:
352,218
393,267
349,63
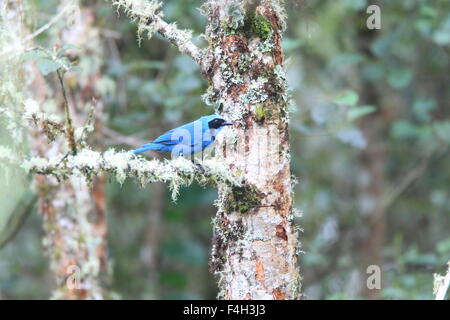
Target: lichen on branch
89,164
149,20
441,284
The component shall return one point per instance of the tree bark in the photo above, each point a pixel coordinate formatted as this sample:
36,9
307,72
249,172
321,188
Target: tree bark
372,161
255,245
75,244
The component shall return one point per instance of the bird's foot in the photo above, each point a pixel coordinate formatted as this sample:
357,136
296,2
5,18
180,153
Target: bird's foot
200,167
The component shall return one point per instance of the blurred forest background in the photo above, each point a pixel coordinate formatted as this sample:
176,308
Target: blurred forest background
369,143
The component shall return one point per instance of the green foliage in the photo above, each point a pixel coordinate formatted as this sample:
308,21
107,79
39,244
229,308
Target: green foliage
151,89
400,78
48,62
403,77
257,25
47,66
422,109
347,98
442,130
260,113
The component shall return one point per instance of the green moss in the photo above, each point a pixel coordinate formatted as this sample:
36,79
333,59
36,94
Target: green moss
260,114
261,26
242,199
227,29
257,25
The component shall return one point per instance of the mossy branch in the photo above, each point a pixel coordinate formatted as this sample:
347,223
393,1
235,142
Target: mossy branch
149,19
89,163
441,284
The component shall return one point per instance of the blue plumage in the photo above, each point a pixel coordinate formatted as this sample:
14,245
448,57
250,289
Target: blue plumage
188,139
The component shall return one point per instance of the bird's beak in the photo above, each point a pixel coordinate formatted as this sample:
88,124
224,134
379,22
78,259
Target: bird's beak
227,123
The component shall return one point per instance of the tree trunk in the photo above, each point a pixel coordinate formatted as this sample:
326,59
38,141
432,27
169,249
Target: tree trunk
372,160
151,248
254,250
75,244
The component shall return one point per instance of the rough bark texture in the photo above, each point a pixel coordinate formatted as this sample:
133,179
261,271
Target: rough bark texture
71,241
85,34
74,221
255,244
88,247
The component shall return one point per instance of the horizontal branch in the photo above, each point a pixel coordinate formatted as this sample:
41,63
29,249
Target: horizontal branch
149,19
89,163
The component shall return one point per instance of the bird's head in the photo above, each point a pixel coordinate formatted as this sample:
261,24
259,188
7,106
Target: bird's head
216,122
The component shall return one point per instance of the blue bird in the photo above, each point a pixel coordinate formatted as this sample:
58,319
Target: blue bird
188,139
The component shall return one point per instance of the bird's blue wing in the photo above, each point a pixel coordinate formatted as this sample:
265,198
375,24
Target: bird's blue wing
189,137
165,139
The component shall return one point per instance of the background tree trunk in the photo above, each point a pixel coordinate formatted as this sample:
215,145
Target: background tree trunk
372,161
74,217
255,242
151,249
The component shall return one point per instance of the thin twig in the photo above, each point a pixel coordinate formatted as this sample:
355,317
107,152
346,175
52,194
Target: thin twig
172,34
40,30
412,176
179,38
408,179
114,137
70,132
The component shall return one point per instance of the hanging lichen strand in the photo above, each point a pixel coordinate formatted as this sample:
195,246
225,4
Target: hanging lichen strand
255,245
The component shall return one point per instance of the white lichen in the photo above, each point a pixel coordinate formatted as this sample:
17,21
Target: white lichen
148,16
441,284
256,92
178,172
7,156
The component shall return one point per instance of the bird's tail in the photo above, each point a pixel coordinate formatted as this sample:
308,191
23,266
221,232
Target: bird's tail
146,147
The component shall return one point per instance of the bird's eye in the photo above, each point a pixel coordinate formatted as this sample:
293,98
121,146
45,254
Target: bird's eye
215,123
